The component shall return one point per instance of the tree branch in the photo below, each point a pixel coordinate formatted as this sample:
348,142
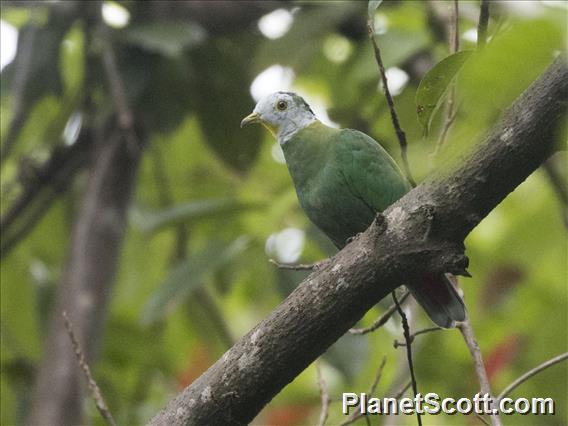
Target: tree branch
86,283
412,336
356,415
82,362
451,112
407,339
324,394
558,183
478,365
382,320
422,232
87,280
531,373
482,23
394,117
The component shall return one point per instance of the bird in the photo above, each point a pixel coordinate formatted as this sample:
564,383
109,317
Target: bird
343,178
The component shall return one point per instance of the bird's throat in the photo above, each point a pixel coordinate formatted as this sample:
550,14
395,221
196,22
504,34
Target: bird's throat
272,129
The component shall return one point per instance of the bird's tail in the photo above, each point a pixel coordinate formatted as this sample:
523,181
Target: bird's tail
437,295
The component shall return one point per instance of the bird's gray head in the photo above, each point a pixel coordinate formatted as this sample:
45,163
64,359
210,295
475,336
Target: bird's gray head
283,113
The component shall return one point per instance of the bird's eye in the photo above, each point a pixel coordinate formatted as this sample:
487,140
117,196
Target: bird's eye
281,105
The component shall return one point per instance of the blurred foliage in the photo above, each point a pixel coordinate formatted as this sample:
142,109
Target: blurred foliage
188,78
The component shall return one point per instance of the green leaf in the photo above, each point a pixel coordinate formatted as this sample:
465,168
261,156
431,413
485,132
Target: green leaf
435,84
160,85
302,43
167,38
183,213
188,276
221,98
373,5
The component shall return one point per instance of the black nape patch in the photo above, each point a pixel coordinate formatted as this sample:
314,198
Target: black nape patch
298,99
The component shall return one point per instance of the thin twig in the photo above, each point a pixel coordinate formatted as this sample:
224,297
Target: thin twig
482,23
481,419
118,90
325,399
208,303
378,376
454,33
401,392
531,373
93,387
125,116
467,333
397,344
406,329
556,179
299,266
451,110
425,330
394,117
450,117
558,183
362,413
382,320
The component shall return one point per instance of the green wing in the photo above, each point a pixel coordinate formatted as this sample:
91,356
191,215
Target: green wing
371,173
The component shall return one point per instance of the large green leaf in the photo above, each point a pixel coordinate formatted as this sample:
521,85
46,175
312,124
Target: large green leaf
188,276
435,84
221,97
184,213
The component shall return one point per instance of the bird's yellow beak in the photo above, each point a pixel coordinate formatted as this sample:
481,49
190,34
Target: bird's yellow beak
251,118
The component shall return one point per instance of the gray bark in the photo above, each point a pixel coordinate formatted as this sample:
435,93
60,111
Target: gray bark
83,293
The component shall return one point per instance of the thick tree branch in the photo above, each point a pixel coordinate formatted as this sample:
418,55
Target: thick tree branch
422,232
94,249
86,283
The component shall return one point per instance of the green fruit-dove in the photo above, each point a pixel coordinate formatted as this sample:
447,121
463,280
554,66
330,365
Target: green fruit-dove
343,178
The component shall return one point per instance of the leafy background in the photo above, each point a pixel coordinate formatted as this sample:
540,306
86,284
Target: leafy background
224,196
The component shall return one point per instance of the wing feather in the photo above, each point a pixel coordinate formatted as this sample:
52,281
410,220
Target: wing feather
371,173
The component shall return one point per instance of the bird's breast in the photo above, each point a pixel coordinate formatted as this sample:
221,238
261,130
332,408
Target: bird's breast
331,205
